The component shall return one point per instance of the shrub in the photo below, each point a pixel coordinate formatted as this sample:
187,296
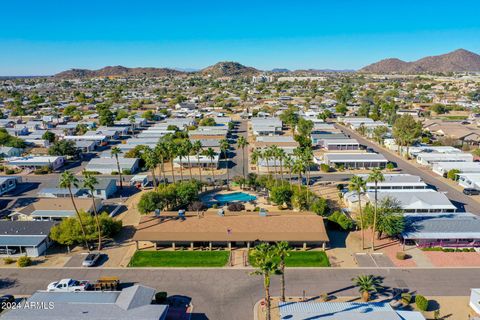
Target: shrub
281,194
114,173
453,174
236,206
9,260
43,170
421,302
341,220
10,171
390,166
325,167
319,206
401,255
406,298
24,261
150,201
126,171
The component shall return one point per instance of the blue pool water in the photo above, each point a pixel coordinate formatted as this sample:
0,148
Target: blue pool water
231,197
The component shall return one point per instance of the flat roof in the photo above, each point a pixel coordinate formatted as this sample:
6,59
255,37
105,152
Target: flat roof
427,199
442,226
233,227
355,157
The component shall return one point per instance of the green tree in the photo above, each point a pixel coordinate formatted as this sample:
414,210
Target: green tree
49,136
341,108
406,130
357,184
256,156
283,251
379,132
150,201
197,149
67,181
207,122
367,284
281,194
224,146
210,154
376,176
151,161
319,206
89,182
266,264
63,148
242,143
115,152
453,174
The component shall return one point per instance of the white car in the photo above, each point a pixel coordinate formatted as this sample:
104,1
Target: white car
69,285
91,259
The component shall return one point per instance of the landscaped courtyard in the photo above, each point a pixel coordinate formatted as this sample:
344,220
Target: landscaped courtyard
179,259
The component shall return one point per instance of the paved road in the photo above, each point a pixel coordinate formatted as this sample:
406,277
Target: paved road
462,201
231,294
237,159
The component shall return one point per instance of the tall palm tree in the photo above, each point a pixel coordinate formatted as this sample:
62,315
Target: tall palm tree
131,119
211,155
267,155
172,153
197,149
89,182
224,146
274,152
182,152
376,176
299,168
358,185
281,158
243,143
366,285
67,181
266,264
151,161
162,153
115,152
256,156
187,146
288,163
283,251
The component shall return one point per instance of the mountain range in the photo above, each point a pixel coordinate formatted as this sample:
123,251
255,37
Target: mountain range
460,60
220,69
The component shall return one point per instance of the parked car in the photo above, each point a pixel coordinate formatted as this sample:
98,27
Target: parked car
69,285
471,192
91,259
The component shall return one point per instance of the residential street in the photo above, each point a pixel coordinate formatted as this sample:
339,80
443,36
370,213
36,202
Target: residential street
220,294
462,201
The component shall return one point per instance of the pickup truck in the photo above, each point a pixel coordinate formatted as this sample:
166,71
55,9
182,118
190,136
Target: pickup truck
69,285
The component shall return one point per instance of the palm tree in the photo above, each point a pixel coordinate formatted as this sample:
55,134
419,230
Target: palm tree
266,264
197,148
358,185
151,162
131,119
299,168
114,153
181,153
224,146
211,155
281,158
267,155
172,153
288,163
274,152
187,145
376,176
256,156
283,251
67,181
242,143
89,182
366,285
162,153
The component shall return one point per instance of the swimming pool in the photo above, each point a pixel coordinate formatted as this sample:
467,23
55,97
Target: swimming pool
235,196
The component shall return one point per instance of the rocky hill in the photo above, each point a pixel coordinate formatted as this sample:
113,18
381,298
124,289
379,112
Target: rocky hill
228,69
118,71
457,61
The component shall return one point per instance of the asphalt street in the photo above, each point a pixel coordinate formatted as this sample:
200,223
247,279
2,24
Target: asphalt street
221,294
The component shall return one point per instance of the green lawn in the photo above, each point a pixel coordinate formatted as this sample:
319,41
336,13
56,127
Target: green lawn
305,259
179,259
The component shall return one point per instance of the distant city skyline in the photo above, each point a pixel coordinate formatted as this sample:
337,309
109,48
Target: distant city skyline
46,37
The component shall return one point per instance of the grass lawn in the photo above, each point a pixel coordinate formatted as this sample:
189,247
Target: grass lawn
179,259
305,259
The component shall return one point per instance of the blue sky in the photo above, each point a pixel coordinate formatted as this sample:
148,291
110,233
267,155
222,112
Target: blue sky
45,37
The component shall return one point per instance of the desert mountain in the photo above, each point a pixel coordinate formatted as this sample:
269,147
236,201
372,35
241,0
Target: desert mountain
229,69
457,61
117,71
